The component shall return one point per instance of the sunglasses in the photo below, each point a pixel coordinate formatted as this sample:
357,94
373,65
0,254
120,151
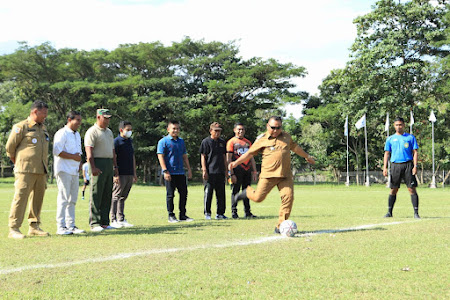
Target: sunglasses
275,127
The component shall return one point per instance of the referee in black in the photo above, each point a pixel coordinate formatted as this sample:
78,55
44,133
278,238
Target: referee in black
401,148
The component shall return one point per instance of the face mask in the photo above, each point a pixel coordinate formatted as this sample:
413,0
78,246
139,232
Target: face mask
128,134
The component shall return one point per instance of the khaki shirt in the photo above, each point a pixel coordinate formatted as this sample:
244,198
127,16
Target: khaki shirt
101,140
276,154
28,144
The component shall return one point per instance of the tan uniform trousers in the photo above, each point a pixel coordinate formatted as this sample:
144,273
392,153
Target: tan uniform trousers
27,186
285,186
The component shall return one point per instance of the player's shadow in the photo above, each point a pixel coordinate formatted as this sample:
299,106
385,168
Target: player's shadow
166,229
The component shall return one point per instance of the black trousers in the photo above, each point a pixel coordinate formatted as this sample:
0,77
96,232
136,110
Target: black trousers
178,182
215,182
243,180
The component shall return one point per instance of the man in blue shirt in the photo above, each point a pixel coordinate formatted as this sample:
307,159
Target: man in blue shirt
171,155
126,163
401,147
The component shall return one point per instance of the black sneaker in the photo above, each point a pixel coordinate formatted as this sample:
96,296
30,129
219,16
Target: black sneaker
186,218
416,216
277,231
235,216
388,215
221,217
250,216
173,219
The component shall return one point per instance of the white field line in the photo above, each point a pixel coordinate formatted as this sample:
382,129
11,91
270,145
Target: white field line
171,250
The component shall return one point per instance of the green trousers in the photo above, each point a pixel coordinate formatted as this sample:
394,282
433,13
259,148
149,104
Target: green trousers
101,191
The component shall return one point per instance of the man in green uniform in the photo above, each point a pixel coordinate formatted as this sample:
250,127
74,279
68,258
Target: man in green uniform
27,147
99,145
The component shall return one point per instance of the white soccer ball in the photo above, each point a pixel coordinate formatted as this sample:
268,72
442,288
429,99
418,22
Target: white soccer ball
288,228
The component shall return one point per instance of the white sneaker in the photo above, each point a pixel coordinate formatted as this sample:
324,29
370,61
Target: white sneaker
107,227
116,224
97,228
63,231
76,230
125,223
207,216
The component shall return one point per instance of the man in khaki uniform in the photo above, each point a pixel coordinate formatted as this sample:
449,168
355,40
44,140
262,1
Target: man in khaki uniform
101,156
27,147
275,146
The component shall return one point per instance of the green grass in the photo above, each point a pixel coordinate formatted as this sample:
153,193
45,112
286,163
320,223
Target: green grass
407,260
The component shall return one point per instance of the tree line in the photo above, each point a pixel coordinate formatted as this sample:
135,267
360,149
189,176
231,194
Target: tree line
399,62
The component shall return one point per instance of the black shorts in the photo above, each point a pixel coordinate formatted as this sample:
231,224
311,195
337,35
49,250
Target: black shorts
86,182
403,171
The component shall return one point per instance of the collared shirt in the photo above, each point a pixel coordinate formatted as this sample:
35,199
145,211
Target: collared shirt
68,141
101,140
124,155
276,154
173,150
28,144
239,147
214,150
401,147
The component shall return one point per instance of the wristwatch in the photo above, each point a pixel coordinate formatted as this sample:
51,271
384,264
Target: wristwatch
165,171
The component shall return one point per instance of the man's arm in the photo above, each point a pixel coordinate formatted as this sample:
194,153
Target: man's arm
64,154
254,171
14,139
162,163
387,154
415,160
90,158
299,151
188,166
134,169
204,169
240,160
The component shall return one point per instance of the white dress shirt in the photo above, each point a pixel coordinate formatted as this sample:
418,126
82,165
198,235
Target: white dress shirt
68,141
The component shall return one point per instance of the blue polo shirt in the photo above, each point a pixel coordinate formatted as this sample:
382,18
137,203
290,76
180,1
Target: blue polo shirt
173,150
124,155
401,147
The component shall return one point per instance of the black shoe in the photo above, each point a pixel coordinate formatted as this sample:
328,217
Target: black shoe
250,216
388,215
221,217
241,196
277,231
173,219
186,218
235,216
416,216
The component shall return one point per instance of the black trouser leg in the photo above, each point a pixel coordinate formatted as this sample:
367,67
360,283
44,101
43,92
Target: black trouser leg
208,195
219,183
170,192
180,183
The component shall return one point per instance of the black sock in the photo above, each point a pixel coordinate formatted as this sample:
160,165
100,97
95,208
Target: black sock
391,202
415,203
82,193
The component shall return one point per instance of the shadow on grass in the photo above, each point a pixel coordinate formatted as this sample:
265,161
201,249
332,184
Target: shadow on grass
325,231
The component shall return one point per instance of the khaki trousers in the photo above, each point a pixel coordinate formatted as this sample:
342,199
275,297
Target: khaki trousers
27,186
285,186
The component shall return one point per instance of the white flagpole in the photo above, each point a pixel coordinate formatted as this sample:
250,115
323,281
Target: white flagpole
411,121
432,119
388,184
367,154
347,183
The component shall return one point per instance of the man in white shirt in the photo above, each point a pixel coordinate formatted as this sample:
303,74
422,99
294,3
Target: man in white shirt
67,153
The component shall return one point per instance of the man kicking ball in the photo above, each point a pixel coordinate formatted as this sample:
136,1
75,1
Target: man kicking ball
275,146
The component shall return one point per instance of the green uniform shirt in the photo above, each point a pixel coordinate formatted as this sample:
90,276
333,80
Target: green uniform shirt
28,144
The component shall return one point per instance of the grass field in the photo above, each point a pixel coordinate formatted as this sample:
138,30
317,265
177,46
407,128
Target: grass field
398,258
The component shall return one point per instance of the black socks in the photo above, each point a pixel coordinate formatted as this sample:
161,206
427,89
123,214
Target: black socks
391,202
415,202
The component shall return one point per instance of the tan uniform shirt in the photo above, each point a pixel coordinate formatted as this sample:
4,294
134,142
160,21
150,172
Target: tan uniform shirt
276,154
28,144
101,139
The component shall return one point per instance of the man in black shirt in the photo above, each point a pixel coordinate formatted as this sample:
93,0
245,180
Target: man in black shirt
214,168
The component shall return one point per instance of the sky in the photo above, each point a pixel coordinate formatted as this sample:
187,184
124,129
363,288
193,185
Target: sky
314,34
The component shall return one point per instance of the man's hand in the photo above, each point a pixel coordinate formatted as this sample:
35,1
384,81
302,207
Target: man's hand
385,172
310,160
231,165
134,179
189,174
77,157
205,175
167,176
255,176
116,180
414,170
96,171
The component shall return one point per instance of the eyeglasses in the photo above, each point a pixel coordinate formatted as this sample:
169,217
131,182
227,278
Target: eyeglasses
275,127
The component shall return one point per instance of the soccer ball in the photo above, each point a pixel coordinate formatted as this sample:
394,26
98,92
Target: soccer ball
288,228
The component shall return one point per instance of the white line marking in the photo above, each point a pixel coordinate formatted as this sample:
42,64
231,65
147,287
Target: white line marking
171,250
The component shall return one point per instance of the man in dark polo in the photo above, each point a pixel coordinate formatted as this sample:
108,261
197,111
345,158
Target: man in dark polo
27,147
99,146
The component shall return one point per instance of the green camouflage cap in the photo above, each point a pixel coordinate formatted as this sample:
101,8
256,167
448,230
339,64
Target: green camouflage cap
104,112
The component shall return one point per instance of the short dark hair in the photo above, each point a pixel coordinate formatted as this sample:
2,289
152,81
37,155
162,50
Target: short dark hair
39,105
276,118
72,114
173,122
123,124
238,124
399,119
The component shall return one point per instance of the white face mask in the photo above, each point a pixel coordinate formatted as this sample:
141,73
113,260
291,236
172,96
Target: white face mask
128,134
